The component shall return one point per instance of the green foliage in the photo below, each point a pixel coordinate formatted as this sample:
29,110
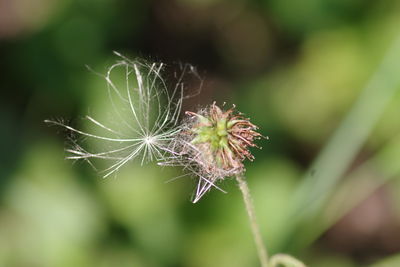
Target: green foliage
320,78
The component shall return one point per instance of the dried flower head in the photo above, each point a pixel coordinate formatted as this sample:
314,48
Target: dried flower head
213,144
145,122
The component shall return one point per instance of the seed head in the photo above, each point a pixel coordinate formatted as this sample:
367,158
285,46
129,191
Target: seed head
146,123
215,143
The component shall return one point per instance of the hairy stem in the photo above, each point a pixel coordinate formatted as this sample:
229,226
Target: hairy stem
261,250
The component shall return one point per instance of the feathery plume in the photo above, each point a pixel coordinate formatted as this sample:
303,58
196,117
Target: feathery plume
145,116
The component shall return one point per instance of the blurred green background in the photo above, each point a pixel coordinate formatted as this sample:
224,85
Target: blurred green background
319,77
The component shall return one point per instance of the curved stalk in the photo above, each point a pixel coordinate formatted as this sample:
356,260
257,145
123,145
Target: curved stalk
261,250
276,260
285,260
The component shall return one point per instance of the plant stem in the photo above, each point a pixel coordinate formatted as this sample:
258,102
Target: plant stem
261,250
